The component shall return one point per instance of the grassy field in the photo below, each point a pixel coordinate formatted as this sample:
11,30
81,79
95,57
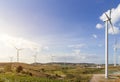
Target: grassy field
21,78
21,72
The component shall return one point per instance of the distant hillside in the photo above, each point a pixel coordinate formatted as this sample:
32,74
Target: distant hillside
69,64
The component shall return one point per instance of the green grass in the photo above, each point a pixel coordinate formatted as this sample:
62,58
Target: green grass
69,77
20,78
47,73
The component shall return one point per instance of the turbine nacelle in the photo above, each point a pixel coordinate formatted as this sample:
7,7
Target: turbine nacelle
109,20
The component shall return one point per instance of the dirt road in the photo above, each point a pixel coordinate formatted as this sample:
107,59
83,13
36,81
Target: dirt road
97,77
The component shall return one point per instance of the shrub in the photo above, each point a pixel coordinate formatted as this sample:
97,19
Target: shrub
19,69
28,73
43,70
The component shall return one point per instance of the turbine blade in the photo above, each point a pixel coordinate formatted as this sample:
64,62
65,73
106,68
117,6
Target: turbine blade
15,47
111,25
109,19
110,13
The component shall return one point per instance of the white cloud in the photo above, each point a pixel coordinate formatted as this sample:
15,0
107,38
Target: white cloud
116,30
85,57
46,48
81,58
19,42
115,18
77,46
99,26
76,52
94,35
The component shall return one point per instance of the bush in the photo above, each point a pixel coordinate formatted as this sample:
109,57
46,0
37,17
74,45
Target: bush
19,69
43,70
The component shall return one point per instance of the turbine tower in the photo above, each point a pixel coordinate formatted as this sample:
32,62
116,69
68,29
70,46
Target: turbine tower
35,55
11,59
18,50
106,41
52,59
115,50
35,58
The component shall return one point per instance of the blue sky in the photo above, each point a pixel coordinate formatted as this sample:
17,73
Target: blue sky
63,28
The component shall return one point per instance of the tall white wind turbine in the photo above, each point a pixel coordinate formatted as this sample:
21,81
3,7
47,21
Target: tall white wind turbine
106,41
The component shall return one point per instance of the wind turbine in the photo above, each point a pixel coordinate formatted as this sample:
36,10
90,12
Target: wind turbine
35,55
35,58
106,41
52,59
11,59
115,50
18,50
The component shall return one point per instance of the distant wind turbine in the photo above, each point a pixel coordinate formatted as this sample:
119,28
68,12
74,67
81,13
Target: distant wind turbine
18,50
106,41
52,59
115,50
35,55
11,59
35,58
